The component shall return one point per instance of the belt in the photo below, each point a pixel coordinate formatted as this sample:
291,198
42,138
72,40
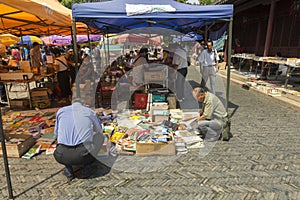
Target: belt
78,145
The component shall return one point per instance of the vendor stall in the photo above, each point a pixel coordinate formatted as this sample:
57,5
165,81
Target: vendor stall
165,14
22,89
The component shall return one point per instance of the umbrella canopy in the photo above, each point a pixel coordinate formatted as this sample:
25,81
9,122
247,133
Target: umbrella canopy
132,38
57,40
67,40
2,49
30,39
135,38
9,39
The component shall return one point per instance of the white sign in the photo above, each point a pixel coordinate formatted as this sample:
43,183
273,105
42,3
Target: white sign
138,9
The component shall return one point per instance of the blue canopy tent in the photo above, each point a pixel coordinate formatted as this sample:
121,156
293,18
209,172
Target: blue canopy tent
118,16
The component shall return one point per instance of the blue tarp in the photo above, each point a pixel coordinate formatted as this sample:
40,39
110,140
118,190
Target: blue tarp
113,17
215,35
188,37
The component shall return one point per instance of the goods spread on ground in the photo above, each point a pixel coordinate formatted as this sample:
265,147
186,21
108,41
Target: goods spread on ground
159,131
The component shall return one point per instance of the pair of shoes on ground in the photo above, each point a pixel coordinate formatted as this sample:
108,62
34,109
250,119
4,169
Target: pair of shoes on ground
86,172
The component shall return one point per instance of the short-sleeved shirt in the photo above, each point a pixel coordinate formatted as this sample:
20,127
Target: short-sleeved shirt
213,108
138,69
35,57
208,58
180,58
76,124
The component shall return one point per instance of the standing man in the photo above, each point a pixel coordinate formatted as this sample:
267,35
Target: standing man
140,64
96,58
63,76
209,61
25,52
36,57
180,64
212,115
77,144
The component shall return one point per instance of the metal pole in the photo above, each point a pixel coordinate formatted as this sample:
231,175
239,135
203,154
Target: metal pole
76,57
90,45
104,49
108,53
4,153
229,62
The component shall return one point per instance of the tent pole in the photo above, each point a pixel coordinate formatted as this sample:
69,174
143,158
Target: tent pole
76,58
22,43
104,48
4,153
108,54
205,34
229,62
89,41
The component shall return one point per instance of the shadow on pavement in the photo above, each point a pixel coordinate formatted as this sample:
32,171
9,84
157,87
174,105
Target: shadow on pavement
37,184
100,167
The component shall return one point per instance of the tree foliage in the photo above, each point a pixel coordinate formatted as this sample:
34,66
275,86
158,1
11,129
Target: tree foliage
206,2
68,3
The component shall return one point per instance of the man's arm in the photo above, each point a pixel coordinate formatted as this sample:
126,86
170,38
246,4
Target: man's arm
217,60
96,123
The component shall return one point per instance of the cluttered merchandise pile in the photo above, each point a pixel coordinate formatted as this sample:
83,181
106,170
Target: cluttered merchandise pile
27,133
159,131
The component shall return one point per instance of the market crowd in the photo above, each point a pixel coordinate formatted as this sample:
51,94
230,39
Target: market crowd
57,60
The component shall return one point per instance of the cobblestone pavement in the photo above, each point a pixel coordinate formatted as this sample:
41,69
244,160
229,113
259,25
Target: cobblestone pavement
261,161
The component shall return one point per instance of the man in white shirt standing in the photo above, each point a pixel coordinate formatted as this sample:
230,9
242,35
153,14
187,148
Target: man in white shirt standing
209,60
180,64
96,57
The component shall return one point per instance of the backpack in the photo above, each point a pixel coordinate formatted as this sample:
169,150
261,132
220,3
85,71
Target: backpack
226,134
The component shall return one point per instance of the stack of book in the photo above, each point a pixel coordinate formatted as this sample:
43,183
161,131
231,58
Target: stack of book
46,140
190,138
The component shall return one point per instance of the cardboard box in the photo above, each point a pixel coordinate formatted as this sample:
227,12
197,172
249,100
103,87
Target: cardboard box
39,92
155,149
41,103
172,101
19,103
159,113
18,149
158,75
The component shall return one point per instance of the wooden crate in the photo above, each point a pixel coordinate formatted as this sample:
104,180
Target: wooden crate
18,149
158,75
39,92
19,103
155,149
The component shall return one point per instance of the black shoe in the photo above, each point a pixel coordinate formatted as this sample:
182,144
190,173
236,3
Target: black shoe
67,173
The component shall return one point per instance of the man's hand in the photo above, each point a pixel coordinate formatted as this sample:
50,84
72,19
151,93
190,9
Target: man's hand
200,112
201,117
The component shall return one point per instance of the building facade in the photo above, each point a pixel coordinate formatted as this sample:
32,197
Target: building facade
266,27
